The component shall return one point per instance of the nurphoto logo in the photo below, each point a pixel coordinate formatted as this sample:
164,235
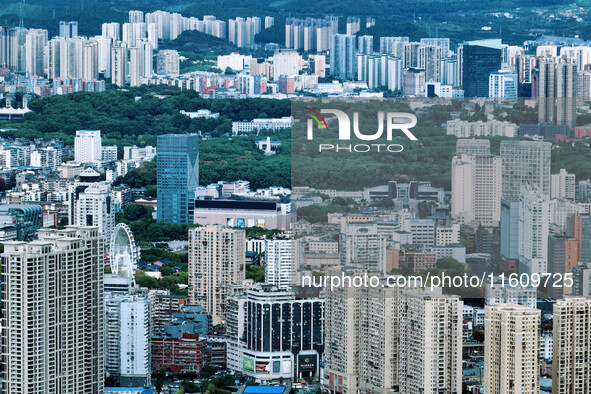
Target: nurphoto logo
400,121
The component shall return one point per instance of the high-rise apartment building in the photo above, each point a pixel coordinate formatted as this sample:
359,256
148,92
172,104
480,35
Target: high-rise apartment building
511,349
562,185
525,161
571,370
343,57
119,64
35,42
385,340
167,62
216,263
93,205
69,29
362,246
280,264
87,146
557,83
53,320
534,228
127,345
430,349
476,189
111,30
177,176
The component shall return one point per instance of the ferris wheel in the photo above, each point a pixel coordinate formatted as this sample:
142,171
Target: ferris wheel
124,254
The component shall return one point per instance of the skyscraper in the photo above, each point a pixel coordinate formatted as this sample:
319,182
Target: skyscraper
509,235
280,269
342,56
94,206
503,84
68,29
380,338
53,322
216,263
35,42
562,185
87,146
119,64
557,85
167,62
362,246
177,177
128,339
534,228
525,161
476,189
511,349
430,350
478,60
571,370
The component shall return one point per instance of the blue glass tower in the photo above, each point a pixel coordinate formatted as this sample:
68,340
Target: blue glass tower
177,177
479,59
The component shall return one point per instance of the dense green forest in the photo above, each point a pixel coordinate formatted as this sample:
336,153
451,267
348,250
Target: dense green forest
137,116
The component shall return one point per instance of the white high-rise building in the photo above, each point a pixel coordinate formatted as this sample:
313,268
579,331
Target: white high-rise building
140,62
95,207
87,146
429,58
53,314
216,262
534,228
502,84
571,370
269,21
393,45
365,45
72,58
343,59
379,338
167,62
525,161
511,349
562,185
133,33
476,189
111,30
430,353
127,350
362,246
286,62
105,45
280,269
135,16
119,65
68,29
90,60
35,42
